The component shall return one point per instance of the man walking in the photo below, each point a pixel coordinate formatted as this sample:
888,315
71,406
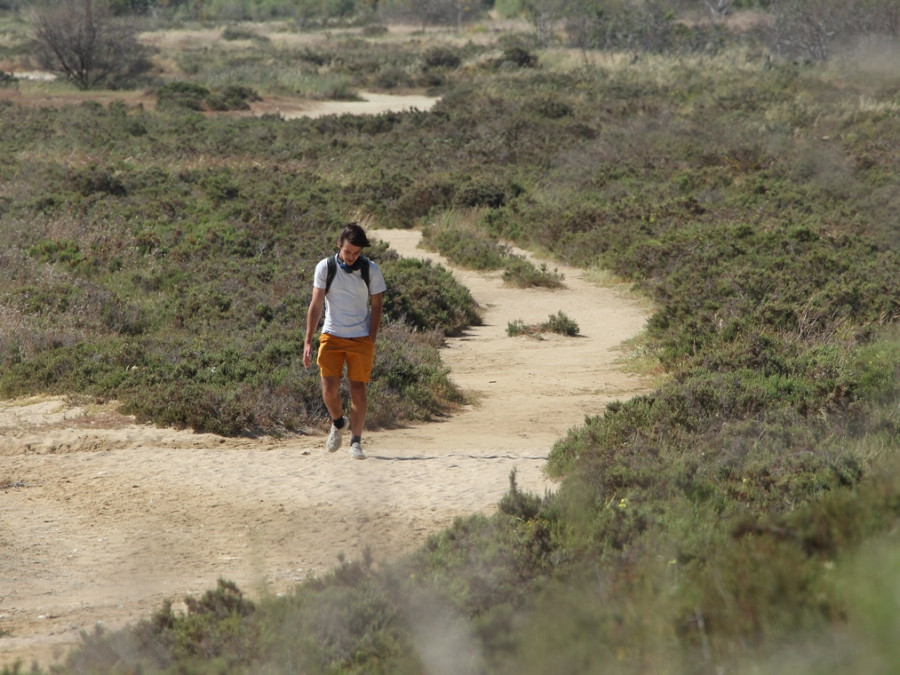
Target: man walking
351,287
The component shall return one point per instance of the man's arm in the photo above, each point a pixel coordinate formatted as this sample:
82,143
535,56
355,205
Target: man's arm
376,301
313,314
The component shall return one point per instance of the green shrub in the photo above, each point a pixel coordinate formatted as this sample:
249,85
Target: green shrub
522,273
517,327
441,57
426,297
562,324
233,97
556,323
465,246
520,57
190,96
480,193
517,504
421,200
182,95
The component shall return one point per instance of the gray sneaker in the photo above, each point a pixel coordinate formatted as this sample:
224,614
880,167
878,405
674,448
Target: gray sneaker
356,451
336,436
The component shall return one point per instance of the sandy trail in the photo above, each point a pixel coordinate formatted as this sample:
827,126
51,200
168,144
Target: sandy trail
103,518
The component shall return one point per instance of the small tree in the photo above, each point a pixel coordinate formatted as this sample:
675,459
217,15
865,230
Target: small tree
81,40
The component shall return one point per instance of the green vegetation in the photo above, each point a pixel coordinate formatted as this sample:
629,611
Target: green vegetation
740,518
555,323
189,96
467,245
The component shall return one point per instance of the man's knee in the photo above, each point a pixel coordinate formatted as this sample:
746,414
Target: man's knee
330,385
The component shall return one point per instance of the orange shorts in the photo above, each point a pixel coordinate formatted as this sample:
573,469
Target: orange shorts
357,353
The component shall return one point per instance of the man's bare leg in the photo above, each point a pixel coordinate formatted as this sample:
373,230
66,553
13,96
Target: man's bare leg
331,395
359,404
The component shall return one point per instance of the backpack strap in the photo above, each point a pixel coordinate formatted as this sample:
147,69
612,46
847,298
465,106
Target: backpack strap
364,270
332,270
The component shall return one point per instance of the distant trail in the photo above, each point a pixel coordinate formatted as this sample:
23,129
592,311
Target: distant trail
103,519
529,391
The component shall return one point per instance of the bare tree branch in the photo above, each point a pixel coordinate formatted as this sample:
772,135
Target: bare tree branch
81,40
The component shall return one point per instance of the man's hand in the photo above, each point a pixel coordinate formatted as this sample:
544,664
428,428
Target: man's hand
313,313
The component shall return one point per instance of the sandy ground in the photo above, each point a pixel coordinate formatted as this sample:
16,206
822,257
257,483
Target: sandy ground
103,518
287,107
372,103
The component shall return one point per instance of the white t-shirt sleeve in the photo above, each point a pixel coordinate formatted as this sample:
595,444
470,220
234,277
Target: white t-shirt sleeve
376,279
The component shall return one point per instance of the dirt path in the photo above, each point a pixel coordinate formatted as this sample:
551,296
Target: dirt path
286,107
103,519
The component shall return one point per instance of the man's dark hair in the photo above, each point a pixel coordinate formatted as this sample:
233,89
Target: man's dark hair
354,234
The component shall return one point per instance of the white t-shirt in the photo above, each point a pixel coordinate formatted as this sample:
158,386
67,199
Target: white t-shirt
347,312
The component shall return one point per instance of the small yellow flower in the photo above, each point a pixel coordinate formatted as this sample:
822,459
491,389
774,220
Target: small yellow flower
623,503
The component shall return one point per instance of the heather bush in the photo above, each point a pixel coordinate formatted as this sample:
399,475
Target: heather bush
556,323
427,298
522,273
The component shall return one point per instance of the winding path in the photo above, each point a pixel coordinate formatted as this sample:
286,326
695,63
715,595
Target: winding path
103,518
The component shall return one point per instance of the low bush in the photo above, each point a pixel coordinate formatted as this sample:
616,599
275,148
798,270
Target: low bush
177,95
468,246
426,297
441,57
465,246
556,323
190,96
522,273
519,57
233,97
562,324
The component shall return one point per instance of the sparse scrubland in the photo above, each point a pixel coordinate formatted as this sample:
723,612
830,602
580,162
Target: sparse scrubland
741,518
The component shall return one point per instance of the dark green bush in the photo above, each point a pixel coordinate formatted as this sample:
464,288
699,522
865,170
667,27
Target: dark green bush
466,247
480,193
441,57
186,95
520,57
233,97
562,324
522,273
420,200
426,297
